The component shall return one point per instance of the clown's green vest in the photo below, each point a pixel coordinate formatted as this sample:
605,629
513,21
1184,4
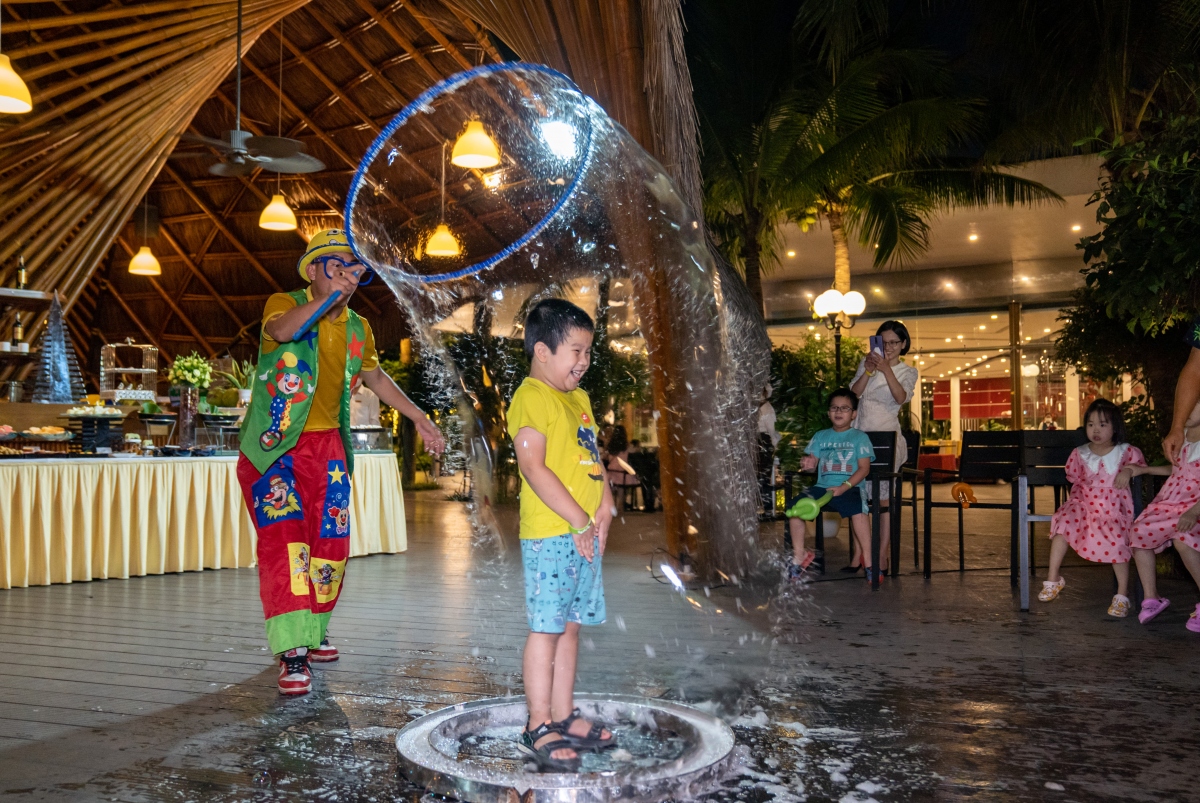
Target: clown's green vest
283,387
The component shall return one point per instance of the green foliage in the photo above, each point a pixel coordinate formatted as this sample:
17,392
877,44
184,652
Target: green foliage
240,375
834,124
1143,427
802,377
1144,265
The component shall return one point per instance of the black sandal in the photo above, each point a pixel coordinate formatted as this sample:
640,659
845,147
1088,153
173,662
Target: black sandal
592,741
543,755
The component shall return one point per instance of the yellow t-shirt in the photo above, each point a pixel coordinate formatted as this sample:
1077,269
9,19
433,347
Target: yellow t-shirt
571,452
331,360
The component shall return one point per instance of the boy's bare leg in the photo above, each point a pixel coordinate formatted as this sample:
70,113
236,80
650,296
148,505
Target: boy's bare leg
562,696
566,656
1121,570
799,536
538,665
1144,558
860,524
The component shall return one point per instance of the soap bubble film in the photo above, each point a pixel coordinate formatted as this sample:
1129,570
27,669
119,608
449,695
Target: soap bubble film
574,209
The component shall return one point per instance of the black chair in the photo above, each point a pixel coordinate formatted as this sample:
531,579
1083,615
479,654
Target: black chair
1044,456
985,456
908,473
883,473
647,468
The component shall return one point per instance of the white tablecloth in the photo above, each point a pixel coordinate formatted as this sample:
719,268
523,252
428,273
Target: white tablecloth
67,520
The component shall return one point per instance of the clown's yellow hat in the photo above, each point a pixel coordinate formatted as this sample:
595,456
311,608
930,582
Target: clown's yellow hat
330,241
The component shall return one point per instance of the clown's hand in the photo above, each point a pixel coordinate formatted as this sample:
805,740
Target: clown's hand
434,442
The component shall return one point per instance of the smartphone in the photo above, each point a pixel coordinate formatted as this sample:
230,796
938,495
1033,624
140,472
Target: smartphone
875,344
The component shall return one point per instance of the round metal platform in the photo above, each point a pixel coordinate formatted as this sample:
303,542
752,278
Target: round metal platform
664,749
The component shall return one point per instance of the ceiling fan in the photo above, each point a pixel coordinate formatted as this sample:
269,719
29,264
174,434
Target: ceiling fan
241,152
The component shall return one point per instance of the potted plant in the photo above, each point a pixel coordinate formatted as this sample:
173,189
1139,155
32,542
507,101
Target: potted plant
190,373
241,376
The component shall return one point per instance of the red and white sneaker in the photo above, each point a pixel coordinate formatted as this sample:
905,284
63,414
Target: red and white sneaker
325,654
294,675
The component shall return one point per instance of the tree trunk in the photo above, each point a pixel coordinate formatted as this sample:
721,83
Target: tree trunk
752,264
841,251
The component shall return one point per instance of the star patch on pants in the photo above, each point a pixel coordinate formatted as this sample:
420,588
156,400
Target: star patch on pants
335,514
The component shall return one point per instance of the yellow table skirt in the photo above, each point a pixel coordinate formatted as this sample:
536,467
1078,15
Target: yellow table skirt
64,521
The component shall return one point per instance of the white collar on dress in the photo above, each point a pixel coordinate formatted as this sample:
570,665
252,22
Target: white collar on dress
1191,451
1109,461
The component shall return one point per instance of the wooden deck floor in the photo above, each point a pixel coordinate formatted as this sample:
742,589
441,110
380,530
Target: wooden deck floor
161,689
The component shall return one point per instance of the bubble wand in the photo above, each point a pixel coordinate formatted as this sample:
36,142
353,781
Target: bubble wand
316,316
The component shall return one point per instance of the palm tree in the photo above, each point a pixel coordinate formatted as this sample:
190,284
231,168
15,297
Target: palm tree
1062,71
829,123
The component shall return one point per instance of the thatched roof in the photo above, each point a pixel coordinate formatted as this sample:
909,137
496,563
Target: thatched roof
114,87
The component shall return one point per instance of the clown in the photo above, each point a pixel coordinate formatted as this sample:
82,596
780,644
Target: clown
296,457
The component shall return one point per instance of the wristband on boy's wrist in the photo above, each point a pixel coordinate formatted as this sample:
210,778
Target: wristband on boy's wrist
847,483
591,522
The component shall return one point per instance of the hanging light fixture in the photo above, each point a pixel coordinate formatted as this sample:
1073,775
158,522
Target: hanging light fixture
14,95
474,148
442,243
277,215
144,262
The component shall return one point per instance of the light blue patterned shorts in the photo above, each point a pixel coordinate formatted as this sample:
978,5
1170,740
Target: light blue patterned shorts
560,585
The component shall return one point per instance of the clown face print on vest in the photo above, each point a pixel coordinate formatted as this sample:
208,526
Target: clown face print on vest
292,382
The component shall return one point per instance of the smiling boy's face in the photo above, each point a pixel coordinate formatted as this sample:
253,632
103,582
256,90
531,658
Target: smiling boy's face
563,368
841,413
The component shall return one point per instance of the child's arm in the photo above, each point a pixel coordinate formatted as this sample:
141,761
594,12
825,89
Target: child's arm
530,446
864,468
1121,481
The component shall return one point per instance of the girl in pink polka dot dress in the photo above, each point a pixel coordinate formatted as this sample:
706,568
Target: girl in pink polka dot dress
1095,520
1172,516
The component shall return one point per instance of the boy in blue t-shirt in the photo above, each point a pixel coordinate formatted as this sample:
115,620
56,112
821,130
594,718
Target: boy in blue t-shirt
842,457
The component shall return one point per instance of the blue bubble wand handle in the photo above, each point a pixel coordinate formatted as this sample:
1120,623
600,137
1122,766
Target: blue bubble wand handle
316,316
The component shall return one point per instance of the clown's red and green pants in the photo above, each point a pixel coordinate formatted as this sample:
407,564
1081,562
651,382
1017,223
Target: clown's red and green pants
301,511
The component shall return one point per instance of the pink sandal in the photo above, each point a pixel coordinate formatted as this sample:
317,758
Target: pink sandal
1193,622
1152,608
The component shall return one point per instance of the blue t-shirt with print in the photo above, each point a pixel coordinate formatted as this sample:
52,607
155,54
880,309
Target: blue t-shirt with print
838,454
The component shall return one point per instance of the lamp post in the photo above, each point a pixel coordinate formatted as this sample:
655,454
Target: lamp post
838,312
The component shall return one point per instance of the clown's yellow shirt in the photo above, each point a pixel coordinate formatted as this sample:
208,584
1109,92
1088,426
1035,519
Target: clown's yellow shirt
331,360
571,452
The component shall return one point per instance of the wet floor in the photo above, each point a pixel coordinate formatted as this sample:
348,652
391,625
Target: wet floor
159,689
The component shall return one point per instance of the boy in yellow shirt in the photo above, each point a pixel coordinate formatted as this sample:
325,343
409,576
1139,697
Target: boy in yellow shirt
566,509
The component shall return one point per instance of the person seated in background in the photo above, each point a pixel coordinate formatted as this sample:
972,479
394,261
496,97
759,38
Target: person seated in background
645,463
621,476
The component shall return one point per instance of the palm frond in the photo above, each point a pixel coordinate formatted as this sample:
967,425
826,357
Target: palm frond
890,217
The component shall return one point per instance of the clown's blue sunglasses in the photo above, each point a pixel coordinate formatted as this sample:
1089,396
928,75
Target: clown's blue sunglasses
354,267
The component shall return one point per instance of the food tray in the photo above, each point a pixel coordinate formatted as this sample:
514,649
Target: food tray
56,437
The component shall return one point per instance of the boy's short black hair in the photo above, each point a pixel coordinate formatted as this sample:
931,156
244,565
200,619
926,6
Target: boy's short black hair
843,393
1112,414
550,321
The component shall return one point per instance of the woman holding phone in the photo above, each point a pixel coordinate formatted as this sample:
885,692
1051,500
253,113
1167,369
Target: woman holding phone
884,383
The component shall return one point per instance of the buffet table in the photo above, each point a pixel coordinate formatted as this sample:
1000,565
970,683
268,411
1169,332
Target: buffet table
67,520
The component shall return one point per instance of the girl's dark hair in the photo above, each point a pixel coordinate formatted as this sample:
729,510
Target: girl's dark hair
901,332
618,441
843,393
551,321
1108,412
